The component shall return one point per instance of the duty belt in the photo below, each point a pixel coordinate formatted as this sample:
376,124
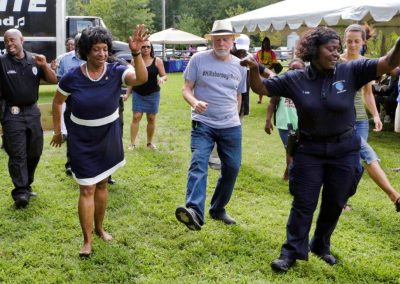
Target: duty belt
330,139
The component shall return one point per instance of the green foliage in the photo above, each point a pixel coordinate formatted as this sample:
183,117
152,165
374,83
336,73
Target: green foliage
190,24
233,11
40,244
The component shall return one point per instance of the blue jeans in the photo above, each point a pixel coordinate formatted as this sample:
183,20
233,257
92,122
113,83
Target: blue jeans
367,154
229,147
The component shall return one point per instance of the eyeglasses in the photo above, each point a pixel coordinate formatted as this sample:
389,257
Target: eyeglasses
146,46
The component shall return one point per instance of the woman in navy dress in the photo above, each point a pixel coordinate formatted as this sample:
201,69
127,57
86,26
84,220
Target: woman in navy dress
95,135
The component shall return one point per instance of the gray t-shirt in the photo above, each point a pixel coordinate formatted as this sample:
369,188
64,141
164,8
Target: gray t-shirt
217,83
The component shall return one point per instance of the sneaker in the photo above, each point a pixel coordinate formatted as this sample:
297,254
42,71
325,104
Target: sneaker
131,147
214,166
151,146
188,217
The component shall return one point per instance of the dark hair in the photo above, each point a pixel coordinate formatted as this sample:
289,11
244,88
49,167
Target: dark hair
91,36
265,41
68,39
307,47
151,50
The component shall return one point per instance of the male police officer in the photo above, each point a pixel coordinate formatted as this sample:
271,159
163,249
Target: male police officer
20,74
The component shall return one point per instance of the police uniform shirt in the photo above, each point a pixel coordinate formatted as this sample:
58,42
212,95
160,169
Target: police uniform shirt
324,101
20,79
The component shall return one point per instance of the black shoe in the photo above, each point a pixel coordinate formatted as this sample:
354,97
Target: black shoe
224,217
21,201
68,171
328,258
188,217
282,264
111,181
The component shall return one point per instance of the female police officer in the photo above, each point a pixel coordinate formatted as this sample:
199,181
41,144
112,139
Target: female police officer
327,154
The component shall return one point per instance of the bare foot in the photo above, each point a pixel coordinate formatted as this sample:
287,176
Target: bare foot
104,235
86,250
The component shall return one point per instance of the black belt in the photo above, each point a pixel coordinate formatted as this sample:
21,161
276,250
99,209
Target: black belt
330,139
15,109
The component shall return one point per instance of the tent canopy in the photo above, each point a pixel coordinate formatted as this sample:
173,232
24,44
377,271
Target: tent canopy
292,14
174,36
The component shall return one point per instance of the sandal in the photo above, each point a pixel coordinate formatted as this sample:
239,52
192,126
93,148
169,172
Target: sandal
397,204
151,146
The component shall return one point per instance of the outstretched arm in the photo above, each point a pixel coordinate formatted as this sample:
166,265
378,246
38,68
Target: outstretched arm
390,61
255,80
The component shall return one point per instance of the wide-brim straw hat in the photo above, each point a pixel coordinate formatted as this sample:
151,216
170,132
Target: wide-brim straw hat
221,27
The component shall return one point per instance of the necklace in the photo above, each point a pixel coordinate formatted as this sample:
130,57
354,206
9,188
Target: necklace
101,75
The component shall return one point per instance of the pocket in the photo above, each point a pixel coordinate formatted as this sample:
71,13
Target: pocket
357,177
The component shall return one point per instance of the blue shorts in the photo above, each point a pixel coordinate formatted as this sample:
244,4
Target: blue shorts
367,154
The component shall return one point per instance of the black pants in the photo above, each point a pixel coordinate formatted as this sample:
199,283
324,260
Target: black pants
335,168
23,142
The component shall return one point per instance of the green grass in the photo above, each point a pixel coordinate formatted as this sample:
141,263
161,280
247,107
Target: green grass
40,244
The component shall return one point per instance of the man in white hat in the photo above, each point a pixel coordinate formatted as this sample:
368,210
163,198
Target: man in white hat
214,81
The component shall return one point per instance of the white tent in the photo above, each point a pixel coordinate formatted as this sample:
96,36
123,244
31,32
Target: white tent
293,14
174,36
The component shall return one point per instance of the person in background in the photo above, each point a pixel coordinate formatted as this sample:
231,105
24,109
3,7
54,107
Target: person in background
267,57
327,154
94,134
146,97
285,113
354,39
69,46
214,82
68,61
20,76
240,49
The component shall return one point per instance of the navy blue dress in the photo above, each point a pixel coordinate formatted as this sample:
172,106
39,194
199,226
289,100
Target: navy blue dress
95,140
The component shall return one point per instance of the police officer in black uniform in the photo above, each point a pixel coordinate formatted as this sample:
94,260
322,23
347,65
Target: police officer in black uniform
20,75
327,154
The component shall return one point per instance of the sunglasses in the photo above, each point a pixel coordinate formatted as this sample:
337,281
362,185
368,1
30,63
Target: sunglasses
146,46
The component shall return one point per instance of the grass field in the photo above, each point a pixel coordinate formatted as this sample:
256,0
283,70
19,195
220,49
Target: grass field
40,244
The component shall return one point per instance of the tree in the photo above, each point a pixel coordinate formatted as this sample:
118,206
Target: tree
120,16
126,15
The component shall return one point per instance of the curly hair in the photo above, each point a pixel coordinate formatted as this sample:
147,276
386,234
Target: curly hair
307,47
91,36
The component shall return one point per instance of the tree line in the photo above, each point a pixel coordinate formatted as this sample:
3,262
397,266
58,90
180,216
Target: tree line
194,16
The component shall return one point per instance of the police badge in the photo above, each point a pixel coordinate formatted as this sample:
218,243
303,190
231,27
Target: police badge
15,110
34,70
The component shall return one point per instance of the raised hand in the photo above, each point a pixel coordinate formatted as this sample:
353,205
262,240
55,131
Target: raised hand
139,36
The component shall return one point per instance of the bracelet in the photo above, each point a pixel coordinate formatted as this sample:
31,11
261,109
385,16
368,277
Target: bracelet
136,54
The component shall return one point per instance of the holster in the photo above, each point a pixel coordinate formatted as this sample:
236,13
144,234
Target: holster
293,139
